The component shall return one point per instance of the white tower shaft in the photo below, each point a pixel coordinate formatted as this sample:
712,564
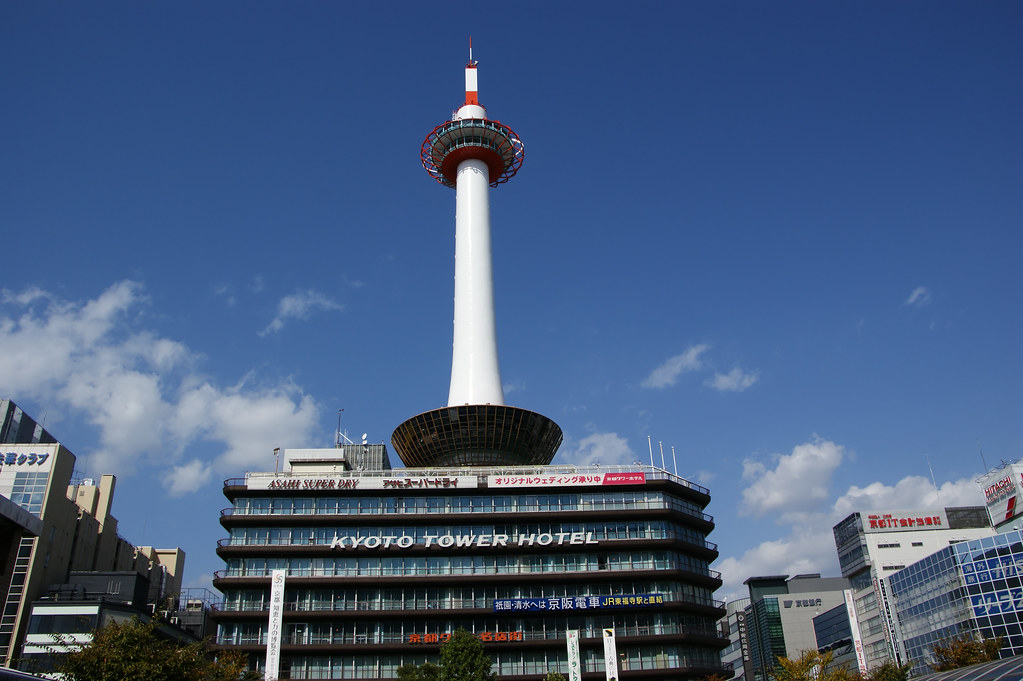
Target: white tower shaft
475,373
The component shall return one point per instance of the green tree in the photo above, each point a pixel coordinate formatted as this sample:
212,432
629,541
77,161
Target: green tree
889,671
812,666
462,658
131,650
427,671
964,650
554,676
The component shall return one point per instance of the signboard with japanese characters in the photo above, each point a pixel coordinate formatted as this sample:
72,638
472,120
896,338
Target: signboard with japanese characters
485,636
273,635
902,521
577,603
319,483
610,655
575,668
568,479
15,459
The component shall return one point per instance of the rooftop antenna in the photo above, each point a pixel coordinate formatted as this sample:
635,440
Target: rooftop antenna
982,457
650,446
674,463
661,445
342,436
936,490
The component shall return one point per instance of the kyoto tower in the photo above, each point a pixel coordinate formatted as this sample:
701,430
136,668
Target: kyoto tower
470,154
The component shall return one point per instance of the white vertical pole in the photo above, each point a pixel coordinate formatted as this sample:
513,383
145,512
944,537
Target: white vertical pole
475,373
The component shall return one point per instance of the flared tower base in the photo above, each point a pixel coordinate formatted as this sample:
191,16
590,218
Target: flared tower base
477,435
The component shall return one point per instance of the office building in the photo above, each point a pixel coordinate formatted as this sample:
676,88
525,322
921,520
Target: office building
971,587
51,527
780,616
17,427
736,657
873,545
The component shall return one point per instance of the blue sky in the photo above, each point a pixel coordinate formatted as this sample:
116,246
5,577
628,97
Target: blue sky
782,238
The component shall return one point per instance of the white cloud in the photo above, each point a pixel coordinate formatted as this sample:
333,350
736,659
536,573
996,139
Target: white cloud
808,548
513,387
919,297
794,494
798,483
226,291
735,380
143,393
604,448
299,305
187,477
667,373
250,423
912,492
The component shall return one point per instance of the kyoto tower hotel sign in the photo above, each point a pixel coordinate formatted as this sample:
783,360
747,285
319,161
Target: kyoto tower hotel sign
470,154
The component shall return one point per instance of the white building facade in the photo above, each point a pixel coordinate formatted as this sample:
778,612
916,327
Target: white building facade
873,545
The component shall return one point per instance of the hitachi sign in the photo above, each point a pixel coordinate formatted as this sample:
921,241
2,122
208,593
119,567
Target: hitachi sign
445,541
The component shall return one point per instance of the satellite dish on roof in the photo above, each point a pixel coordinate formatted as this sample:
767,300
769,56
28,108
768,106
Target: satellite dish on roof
365,436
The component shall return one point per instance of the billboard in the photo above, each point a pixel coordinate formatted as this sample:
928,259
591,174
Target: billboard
903,521
322,483
1002,492
568,479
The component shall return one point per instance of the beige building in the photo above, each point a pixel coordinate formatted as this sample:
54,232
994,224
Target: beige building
51,527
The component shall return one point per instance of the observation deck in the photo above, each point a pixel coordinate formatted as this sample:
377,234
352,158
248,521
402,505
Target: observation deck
492,142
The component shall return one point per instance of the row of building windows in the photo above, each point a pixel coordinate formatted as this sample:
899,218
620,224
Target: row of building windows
506,663
296,536
529,629
407,566
525,503
476,596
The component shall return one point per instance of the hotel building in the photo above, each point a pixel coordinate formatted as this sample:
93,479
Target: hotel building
383,564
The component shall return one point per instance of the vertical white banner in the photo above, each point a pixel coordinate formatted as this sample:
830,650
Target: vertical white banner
854,624
575,672
610,655
273,632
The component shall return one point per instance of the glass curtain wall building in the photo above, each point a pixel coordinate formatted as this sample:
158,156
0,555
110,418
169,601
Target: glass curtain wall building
381,566
970,587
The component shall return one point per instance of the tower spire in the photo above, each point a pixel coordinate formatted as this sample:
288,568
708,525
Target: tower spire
471,153
471,90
